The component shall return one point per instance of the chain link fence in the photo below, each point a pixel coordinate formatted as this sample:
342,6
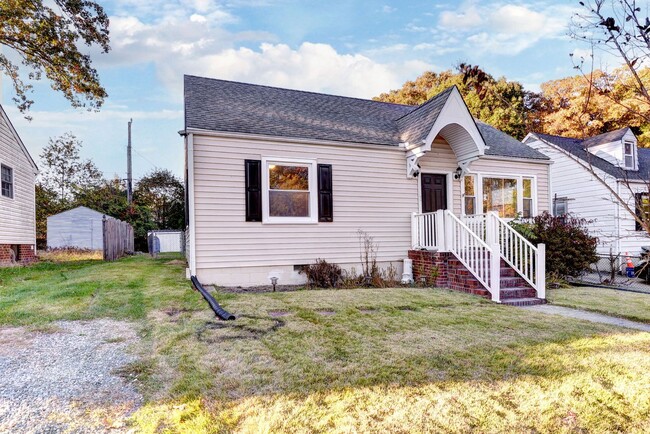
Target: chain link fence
611,271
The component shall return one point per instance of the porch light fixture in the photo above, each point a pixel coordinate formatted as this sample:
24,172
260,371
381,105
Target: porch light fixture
458,173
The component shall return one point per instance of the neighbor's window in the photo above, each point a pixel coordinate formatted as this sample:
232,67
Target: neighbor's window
290,192
7,177
469,192
500,194
642,203
527,195
628,153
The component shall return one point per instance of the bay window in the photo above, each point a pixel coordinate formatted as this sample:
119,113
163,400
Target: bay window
469,195
500,195
527,197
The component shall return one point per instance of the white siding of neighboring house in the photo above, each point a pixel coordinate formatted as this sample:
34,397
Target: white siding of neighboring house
17,215
370,190
590,199
630,240
79,227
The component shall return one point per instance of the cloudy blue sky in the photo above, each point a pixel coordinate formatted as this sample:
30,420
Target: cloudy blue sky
354,48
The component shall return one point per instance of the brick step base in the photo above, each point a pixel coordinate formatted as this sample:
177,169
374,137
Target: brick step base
528,301
513,282
521,292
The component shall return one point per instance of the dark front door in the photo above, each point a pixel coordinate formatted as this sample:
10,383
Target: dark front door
434,192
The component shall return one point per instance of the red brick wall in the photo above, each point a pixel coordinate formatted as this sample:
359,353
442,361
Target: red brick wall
448,269
27,253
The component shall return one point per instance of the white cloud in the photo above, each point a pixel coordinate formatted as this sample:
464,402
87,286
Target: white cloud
315,67
506,28
194,44
388,9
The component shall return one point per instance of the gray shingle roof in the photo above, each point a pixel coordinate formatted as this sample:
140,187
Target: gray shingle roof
577,147
227,106
416,124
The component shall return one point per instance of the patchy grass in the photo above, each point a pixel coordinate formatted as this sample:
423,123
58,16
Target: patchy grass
125,289
630,305
365,360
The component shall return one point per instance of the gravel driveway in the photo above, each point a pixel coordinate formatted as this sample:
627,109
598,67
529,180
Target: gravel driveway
63,380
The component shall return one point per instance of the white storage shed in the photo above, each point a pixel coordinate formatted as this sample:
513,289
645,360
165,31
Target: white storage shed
170,240
79,227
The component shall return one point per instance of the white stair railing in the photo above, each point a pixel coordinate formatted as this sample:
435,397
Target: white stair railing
427,231
529,261
481,259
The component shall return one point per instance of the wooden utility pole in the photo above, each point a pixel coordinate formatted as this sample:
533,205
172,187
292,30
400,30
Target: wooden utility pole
129,169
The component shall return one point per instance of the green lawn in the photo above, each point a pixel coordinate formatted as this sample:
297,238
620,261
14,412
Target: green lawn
363,360
630,305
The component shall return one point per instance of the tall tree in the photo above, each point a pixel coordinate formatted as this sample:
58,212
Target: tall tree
63,170
47,36
164,195
498,102
576,107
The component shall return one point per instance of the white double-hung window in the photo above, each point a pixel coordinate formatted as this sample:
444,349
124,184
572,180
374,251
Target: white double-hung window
628,155
289,191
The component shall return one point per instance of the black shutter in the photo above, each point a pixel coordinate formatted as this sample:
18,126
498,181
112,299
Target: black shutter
638,206
253,190
325,202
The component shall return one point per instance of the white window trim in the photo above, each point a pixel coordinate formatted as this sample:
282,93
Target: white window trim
463,209
478,190
13,183
313,192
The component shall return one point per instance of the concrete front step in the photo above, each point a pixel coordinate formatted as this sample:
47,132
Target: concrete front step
527,301
518,292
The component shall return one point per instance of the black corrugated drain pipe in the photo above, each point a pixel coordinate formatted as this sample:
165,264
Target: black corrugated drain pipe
218,310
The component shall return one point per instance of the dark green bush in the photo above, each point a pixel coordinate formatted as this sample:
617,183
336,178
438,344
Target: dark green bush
322,274
570,250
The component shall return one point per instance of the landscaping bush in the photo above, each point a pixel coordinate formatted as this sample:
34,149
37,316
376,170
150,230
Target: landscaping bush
322,274
570,250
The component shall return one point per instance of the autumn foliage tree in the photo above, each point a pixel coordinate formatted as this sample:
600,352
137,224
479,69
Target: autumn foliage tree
47,38
498,102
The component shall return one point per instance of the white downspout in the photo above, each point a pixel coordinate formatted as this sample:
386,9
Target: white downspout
192,213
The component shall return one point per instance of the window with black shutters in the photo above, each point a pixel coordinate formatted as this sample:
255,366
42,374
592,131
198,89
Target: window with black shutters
7,177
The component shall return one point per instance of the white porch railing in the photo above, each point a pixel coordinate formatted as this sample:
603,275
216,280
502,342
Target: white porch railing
528,260
445,232
479,242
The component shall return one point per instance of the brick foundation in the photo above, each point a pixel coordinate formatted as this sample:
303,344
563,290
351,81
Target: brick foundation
444,270
26,253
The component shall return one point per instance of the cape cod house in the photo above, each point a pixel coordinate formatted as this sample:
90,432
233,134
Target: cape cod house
277,178
17,197
578,176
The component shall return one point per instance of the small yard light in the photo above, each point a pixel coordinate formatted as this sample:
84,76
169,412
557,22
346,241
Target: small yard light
274,281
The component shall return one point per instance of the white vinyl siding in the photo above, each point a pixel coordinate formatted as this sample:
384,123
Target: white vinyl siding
370,192
17,214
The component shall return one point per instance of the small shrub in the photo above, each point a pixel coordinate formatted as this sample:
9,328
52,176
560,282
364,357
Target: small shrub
322,274
570,250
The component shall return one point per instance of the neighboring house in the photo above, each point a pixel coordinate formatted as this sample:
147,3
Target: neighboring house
17,197
277,178
615,159
79,227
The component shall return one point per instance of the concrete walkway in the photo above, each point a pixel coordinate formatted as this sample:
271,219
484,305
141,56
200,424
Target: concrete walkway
587,316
